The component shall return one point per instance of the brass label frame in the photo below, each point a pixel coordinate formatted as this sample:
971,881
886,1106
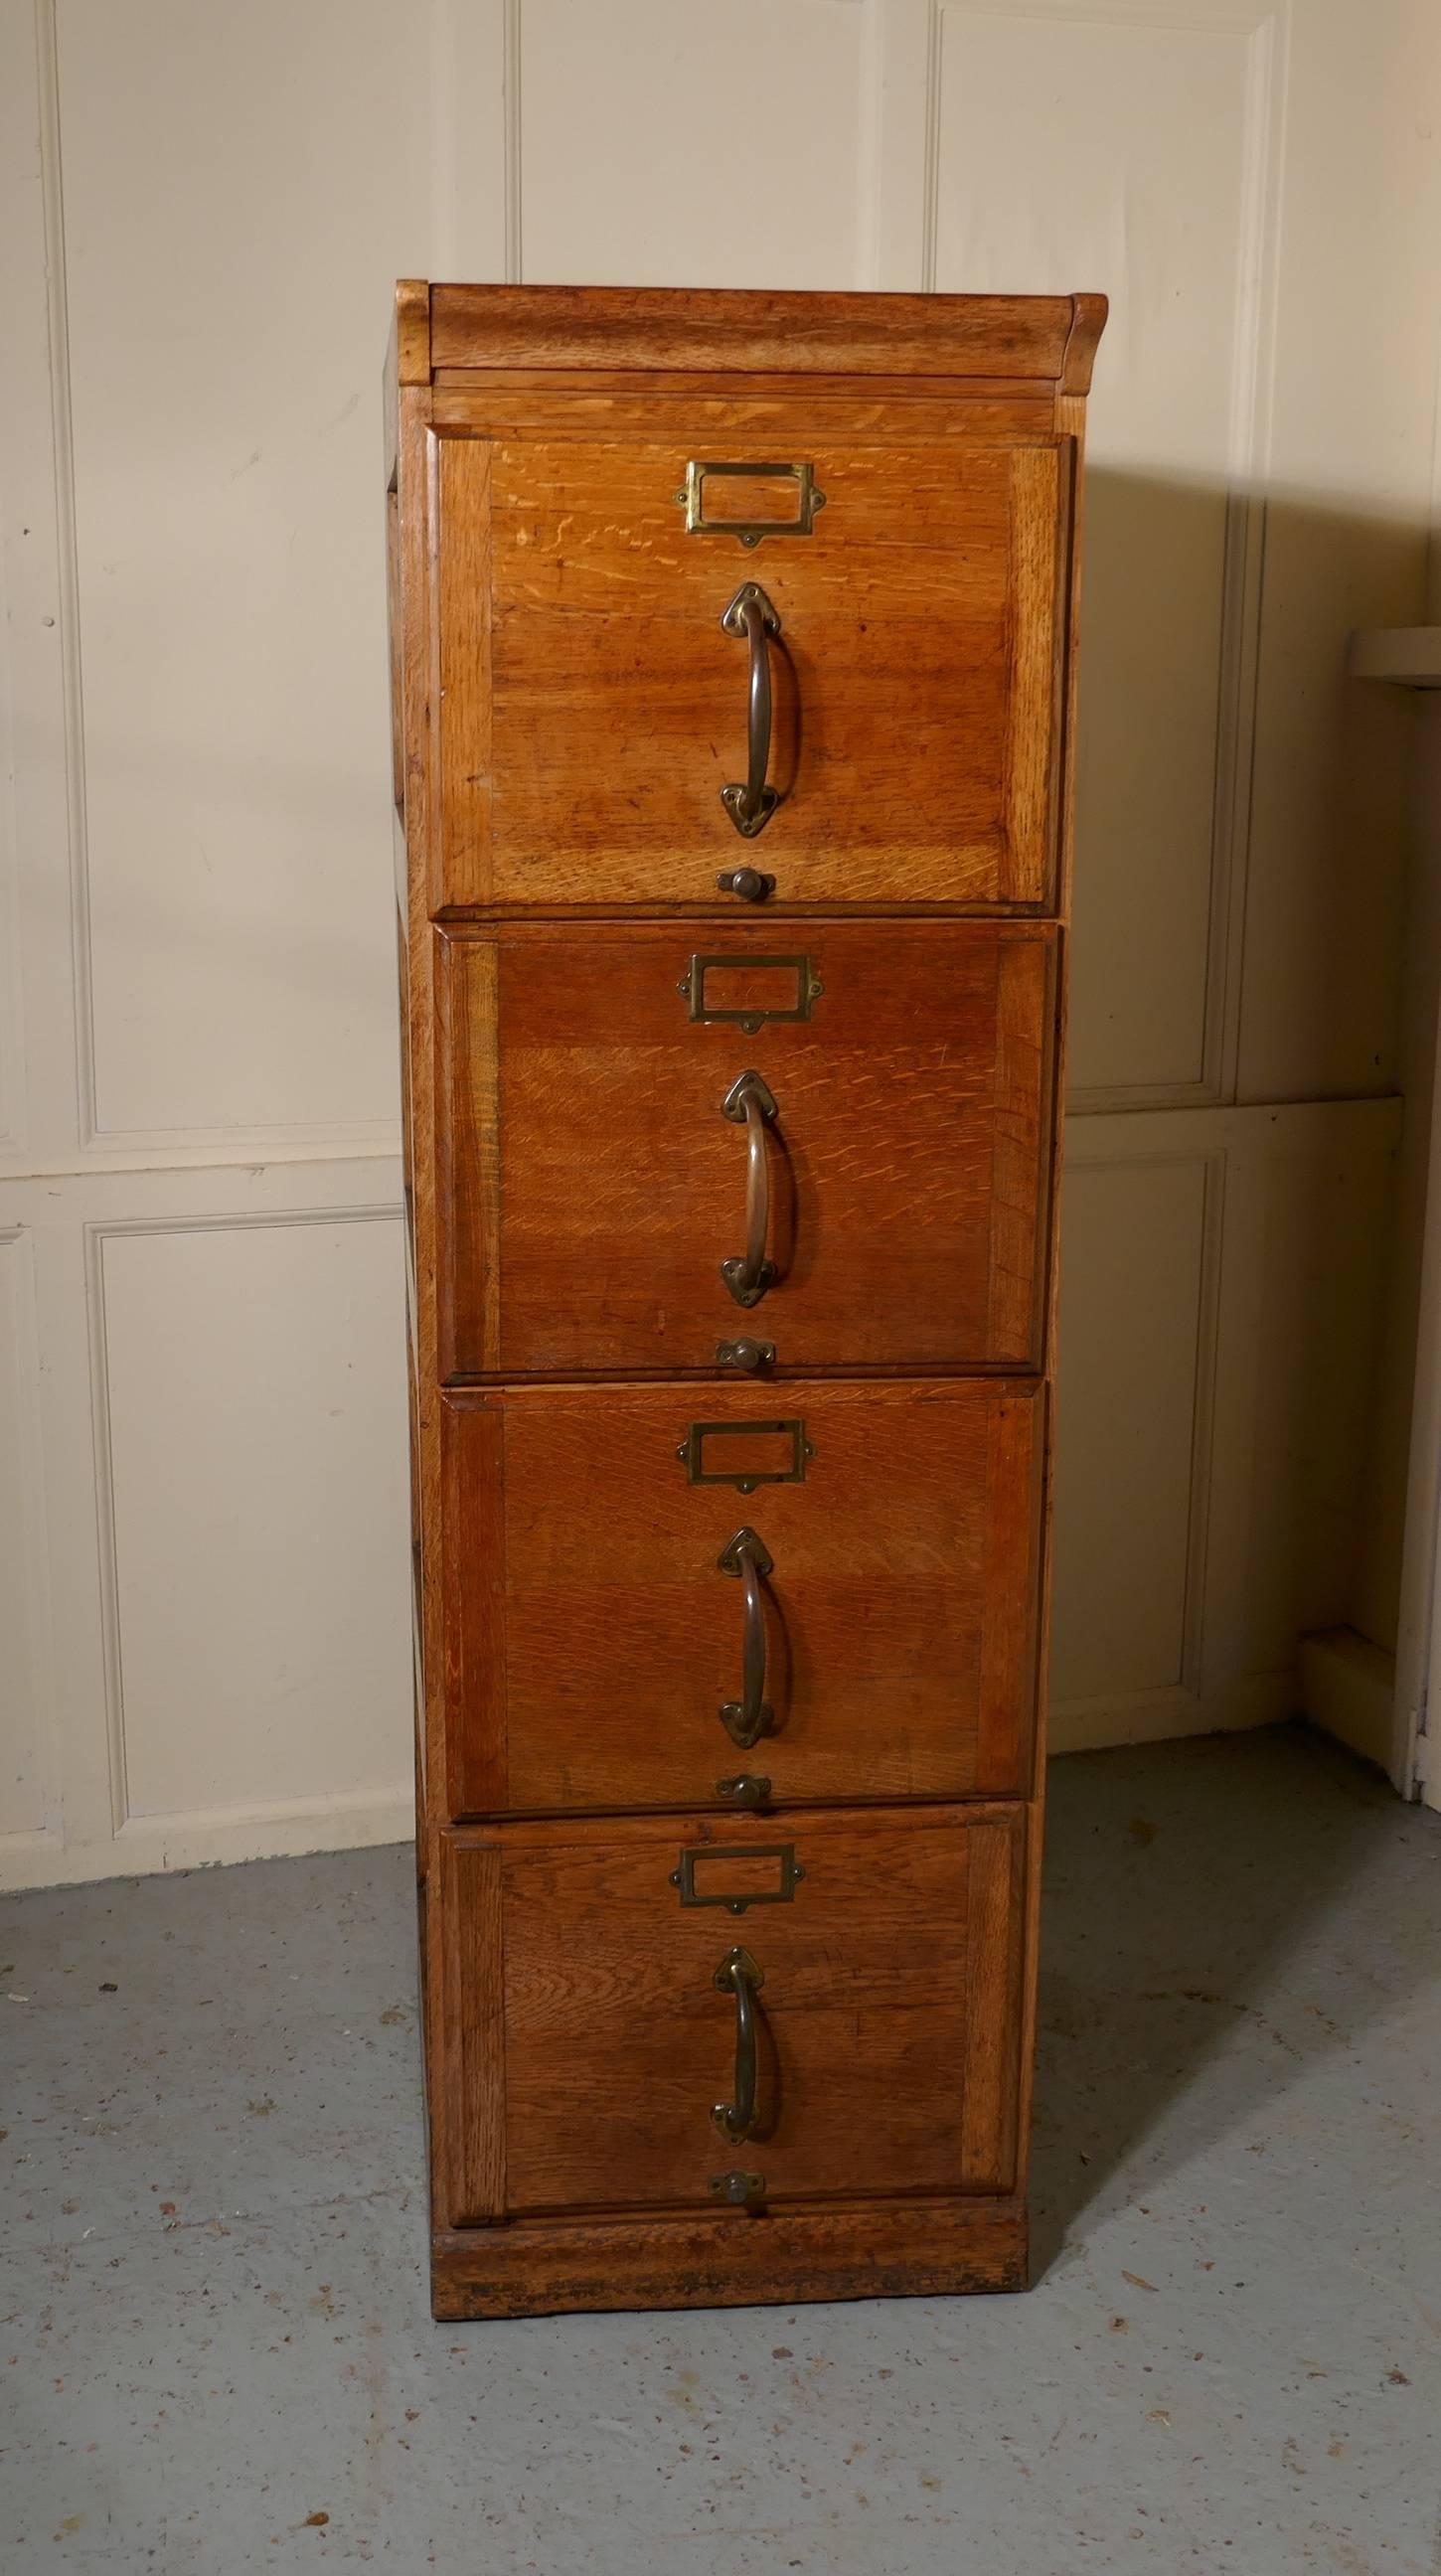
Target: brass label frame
749,532
746,1479
749,1016
789,1874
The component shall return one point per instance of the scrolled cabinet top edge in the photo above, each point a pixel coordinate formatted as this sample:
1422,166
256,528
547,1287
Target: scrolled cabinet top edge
1037,339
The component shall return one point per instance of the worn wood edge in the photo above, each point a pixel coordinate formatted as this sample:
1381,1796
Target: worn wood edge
465,716
413,446
1025,338
1021,1386
410,333
1088,321
584,1828
789,1375
888,2250
1012,1196
409,462
528,924
1015,1438
702,914
1036,501
990,2090
1071,422
586,402
555,1822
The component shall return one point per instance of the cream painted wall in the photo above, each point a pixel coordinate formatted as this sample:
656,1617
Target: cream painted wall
203,1621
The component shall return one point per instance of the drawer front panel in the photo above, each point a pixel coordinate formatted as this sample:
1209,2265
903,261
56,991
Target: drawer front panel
593,1184
597,1613
593,705
593,2041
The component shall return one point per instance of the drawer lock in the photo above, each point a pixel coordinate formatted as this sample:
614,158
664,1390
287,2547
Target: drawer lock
745,1355
740,2190
751,884
744,1789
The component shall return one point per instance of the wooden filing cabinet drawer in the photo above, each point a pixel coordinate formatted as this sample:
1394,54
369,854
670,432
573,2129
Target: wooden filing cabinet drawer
627,1626
593,705
602,1150
858,2019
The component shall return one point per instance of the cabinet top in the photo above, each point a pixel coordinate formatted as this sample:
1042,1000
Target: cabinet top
1037,339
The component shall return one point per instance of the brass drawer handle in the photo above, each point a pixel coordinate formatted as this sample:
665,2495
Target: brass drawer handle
751,616
747,1719
739,1975
751,1717
748,1278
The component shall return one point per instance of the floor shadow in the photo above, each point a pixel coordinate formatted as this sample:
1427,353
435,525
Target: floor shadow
1229,1908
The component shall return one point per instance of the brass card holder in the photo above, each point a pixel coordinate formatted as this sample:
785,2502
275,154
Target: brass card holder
707,1874
703,1454
750,1015
691,498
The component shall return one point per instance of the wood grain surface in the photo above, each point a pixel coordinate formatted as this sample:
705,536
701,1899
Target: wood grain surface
594,707
888,1987
736,332
593,1187
592,1637
867,2250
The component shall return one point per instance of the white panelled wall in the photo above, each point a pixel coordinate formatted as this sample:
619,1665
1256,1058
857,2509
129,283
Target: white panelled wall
203,1520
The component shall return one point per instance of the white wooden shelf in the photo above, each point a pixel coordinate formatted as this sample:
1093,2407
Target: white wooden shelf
1408,656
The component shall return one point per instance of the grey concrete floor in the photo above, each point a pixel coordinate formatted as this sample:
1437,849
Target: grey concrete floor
216,2354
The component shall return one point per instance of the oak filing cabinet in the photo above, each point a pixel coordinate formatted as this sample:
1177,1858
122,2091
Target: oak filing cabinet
733,642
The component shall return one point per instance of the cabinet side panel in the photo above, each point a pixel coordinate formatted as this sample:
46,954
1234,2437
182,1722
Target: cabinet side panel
1070,422
412,681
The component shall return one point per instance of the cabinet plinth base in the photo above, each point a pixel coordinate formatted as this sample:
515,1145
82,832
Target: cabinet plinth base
885,2250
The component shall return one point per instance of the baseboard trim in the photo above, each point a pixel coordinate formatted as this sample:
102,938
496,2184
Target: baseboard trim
147,1846
1155,1716
1348,1689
